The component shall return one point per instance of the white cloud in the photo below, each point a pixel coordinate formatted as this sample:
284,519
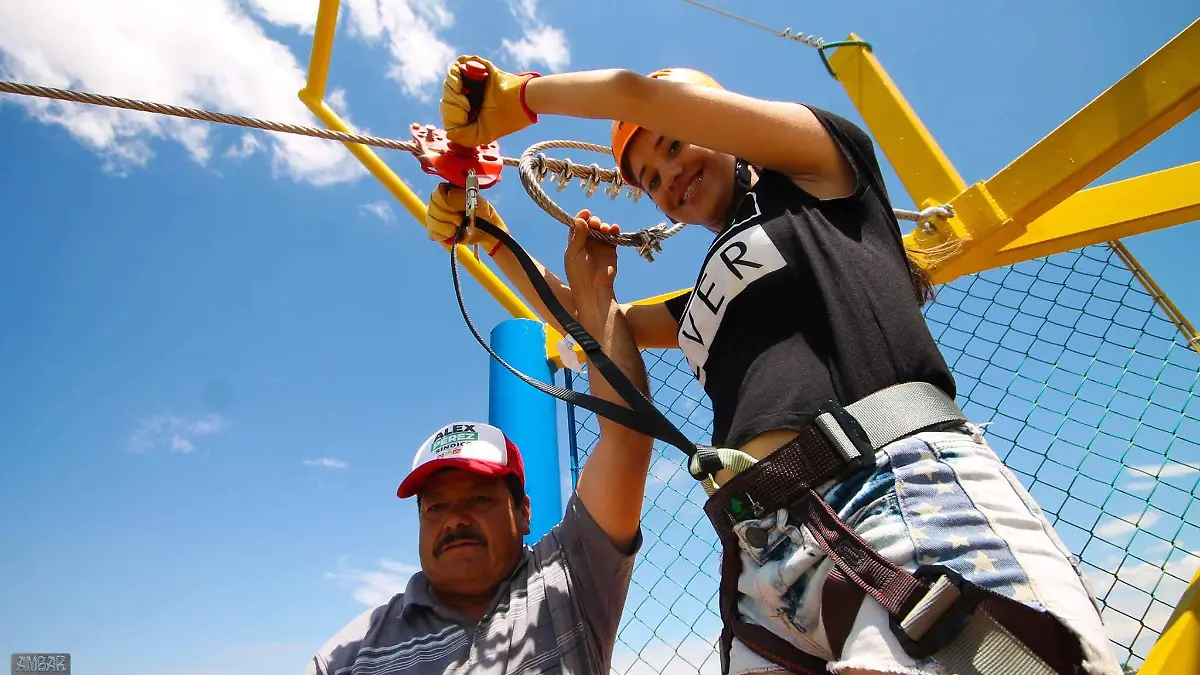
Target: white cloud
326,462
1126,524
1167,469
409,29
540,42
174,432
1141,580
207,54
336,99
375,587
298,14
381,210
247,147
689,656
524,10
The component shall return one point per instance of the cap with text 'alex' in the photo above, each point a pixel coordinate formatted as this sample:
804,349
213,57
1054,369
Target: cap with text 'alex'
471,446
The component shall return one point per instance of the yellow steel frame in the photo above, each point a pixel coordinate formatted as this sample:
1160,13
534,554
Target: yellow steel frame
1034,206
1114,211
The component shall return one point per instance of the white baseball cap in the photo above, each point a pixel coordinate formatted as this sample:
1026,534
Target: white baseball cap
471,446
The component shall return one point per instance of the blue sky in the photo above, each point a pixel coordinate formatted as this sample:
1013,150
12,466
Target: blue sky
219,354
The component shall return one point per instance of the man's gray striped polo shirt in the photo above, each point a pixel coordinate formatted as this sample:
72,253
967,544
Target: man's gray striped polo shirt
557,613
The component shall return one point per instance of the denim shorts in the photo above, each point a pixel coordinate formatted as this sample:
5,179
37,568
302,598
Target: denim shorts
937,497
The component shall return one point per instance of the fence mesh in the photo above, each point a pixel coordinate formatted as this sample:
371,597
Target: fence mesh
1092,399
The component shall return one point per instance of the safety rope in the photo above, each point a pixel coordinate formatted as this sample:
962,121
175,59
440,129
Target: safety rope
810,40
534,165
818,43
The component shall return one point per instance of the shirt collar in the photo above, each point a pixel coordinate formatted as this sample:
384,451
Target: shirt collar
418,594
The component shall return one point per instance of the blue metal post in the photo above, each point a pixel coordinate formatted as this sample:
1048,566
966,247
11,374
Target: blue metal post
528,416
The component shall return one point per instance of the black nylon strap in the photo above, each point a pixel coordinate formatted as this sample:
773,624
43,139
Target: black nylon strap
642,415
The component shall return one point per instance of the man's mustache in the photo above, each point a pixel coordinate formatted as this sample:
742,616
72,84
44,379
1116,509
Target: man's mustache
461,534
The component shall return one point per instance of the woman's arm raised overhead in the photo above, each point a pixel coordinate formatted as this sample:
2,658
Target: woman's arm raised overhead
782,136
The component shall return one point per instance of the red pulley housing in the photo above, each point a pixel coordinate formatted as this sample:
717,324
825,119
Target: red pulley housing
440,156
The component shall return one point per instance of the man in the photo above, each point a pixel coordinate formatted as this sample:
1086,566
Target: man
482,602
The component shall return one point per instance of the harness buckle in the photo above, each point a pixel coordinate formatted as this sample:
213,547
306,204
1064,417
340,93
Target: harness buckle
706,462
939,617
847,436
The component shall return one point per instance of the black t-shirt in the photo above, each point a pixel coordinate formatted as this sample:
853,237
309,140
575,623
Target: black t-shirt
804,300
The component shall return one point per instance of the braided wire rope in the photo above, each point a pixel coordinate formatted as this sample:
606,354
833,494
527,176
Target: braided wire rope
534,166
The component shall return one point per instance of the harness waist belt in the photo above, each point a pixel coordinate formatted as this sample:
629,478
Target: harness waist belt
839,440
934,612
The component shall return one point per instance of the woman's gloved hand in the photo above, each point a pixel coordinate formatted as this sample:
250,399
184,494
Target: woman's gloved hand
502,112
448,206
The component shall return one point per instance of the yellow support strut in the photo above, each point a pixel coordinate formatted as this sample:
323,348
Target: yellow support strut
1114,211
1157,94
1177,649
924,169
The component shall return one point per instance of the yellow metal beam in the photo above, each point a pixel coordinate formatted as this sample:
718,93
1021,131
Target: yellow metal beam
313,96
322,49
1106,213
923,168
1157,94
1160,298
1177,649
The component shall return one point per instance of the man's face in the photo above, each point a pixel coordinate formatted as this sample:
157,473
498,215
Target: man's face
470,531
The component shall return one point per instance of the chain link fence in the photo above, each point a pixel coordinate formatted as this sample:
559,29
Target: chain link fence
1089,394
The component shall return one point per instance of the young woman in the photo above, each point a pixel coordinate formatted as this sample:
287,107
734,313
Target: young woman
807,295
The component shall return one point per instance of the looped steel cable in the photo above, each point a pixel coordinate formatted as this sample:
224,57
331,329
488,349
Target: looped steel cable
535,167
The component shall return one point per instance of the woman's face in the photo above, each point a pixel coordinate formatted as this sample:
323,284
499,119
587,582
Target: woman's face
688,183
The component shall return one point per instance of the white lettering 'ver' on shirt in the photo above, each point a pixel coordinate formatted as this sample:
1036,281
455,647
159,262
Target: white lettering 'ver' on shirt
735,265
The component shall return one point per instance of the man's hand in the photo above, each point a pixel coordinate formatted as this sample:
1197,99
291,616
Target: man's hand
591,264
448,206
613,480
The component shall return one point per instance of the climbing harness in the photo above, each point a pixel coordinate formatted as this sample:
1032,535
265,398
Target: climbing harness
934,611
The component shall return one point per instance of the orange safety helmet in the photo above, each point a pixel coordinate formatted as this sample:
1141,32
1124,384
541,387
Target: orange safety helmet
623,132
